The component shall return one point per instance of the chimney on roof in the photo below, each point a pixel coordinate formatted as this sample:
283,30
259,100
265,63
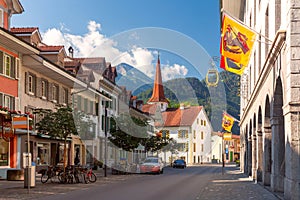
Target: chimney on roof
71,51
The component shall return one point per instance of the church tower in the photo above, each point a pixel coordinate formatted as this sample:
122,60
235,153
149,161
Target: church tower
158,96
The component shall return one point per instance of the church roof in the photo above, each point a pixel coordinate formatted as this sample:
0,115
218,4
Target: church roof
158,88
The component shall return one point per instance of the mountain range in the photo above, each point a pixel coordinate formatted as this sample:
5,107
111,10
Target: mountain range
190,91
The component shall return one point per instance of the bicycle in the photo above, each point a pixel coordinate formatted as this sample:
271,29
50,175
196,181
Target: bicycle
50,173
89,176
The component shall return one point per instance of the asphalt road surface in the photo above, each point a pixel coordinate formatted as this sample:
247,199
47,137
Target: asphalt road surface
188,183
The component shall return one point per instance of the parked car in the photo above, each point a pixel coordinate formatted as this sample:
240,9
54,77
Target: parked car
179,163
152,165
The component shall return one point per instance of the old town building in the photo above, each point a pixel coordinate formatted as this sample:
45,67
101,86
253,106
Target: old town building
270,108
188,125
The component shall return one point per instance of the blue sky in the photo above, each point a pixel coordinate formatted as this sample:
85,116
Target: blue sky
108,24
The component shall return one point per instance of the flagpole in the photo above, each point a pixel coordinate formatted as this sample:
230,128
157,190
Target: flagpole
241,22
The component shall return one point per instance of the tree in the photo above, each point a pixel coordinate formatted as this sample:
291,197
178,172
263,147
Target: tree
127,131
61,124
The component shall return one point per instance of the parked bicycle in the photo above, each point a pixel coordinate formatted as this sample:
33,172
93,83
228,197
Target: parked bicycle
89,176
51,173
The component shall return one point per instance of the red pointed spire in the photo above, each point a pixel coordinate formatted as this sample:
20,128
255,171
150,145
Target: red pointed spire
158,88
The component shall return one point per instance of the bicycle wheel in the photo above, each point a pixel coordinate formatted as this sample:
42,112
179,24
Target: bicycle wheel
92,178
44,178
62,177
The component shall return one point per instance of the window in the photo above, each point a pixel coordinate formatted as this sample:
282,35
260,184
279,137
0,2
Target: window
7,68
201,122
183,134
17,68
194,134
54,93
64,98
202,147
204,122
197,121
165,133
202,135
30,84
7,101
44,86
194,145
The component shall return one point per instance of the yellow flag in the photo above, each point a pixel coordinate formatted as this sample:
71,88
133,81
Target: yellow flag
227,122
237,41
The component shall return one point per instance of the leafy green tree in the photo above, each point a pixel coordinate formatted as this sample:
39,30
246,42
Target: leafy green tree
62,123
127,132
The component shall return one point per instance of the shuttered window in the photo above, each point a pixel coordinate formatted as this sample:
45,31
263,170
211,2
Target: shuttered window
55,93
7,101
31,84
44,89
7,65
64,96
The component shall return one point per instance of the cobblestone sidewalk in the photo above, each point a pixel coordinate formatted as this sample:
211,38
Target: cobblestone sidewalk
10,190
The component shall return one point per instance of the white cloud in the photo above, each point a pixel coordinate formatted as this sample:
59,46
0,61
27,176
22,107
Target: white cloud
96,44
174,71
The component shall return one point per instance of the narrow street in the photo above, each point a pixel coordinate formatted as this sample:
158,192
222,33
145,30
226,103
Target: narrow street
195,182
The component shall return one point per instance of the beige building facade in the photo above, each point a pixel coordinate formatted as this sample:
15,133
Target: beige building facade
270,103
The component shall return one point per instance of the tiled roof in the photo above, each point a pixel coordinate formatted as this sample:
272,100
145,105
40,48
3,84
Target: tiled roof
72,63
91,60
149,108
47,48
180,117
23,30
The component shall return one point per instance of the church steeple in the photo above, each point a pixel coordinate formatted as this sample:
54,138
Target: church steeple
158,95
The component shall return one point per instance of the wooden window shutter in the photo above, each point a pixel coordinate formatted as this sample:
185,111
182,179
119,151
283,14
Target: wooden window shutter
1,62
12,103
13,67
17,68
47,89
50,91
26,83
60,95
38,87
33,84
